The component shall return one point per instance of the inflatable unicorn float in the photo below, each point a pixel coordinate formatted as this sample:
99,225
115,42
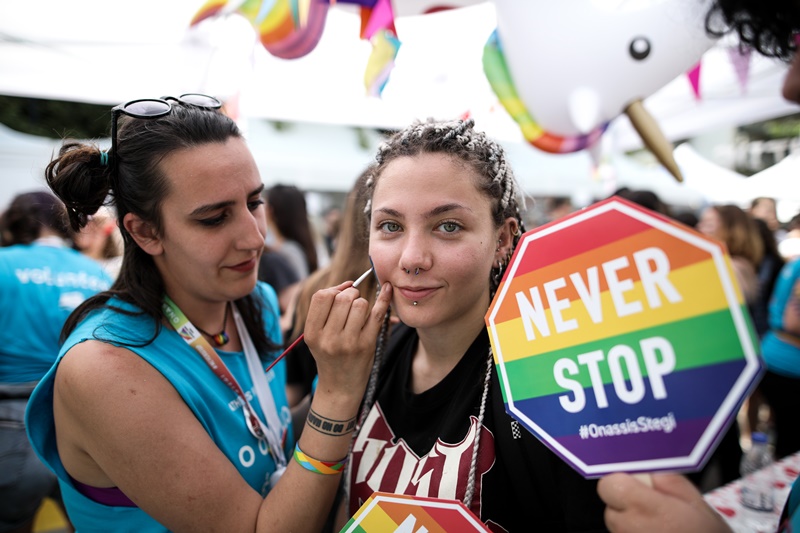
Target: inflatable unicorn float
562,69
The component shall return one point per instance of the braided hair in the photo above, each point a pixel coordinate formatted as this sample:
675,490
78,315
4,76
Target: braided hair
460,140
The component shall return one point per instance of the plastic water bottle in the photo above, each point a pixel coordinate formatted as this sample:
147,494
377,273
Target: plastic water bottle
758,490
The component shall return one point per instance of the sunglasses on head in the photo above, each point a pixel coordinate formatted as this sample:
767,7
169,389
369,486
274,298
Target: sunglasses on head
145,108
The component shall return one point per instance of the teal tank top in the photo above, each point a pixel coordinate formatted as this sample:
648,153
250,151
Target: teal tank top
215,405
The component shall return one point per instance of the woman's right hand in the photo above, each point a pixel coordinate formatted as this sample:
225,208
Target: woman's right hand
341,332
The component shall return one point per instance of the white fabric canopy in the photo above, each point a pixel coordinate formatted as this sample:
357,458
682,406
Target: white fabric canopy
108,52
326,157
23,159
717,183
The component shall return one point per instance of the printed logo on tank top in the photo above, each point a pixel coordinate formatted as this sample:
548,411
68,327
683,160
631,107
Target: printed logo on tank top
381,464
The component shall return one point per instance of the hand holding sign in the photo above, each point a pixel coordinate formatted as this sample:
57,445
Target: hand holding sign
670,504
621,340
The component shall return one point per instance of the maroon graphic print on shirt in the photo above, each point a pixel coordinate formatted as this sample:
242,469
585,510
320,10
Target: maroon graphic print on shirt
382,463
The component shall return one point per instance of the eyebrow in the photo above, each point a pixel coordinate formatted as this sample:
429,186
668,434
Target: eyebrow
436,211
210,208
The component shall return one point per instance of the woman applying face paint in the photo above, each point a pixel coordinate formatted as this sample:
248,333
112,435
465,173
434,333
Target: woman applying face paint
158,414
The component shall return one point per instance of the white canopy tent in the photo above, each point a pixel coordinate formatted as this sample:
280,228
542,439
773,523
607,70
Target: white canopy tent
108,52
780,179
23,159
328,158
709,179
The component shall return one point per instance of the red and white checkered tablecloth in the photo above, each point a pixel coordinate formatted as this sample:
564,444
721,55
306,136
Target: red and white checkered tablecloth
726,499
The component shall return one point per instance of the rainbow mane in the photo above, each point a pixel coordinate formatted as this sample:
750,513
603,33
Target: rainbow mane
283,29
496,70
292,28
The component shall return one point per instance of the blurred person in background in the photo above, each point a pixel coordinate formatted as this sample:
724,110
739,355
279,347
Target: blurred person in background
737,230
645,198
789,247
290,235
558,207
687,217
100,239
42,280
734,227
332,219
349,261
275,270
289,230
765,208
768,271
780,348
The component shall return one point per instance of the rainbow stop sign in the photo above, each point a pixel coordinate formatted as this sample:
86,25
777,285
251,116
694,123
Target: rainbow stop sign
398,513
621,340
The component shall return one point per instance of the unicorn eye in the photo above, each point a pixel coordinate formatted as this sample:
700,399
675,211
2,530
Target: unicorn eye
639,48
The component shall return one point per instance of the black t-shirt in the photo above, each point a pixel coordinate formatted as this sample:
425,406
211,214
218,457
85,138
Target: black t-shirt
301,368
422,444
276,270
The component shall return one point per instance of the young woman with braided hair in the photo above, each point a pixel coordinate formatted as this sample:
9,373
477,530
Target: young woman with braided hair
444,220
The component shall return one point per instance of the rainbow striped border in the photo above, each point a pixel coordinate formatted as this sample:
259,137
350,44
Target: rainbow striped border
743,385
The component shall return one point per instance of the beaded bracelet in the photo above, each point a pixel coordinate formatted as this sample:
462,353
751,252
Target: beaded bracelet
317,466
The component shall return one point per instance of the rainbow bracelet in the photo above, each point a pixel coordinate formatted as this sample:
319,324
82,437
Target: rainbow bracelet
317,466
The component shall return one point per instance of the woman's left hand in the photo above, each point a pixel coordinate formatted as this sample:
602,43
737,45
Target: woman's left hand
671,504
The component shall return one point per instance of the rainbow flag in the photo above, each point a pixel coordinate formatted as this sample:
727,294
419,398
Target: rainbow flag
622,340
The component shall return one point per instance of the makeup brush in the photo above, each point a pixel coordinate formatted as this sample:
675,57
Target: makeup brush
356,283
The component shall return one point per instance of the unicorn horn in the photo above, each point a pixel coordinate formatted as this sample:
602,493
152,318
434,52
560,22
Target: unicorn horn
652,136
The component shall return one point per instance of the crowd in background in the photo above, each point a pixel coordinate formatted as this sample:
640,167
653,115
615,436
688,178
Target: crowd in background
60,266
304,252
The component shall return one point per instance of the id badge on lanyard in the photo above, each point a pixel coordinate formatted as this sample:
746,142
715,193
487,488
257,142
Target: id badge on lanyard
272,433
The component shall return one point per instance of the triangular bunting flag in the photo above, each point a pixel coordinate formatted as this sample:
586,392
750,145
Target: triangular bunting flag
740,59
381,17
694,79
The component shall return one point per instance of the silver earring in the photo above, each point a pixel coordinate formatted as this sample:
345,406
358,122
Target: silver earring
498,275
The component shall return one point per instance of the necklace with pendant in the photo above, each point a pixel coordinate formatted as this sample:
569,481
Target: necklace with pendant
221,338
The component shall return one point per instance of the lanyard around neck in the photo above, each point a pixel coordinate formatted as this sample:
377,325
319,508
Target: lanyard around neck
271,433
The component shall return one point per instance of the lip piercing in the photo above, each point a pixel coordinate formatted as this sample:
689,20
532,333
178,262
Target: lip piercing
414,303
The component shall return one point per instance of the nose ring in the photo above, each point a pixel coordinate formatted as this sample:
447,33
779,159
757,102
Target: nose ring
416,271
